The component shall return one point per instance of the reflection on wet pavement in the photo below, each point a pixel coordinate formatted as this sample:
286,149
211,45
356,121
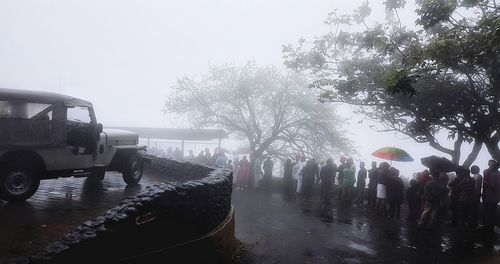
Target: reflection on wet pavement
339,233
274,230
58,207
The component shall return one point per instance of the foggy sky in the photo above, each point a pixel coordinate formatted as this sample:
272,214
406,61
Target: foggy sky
124,55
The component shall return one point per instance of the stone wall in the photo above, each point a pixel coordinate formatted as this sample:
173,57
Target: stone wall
160,217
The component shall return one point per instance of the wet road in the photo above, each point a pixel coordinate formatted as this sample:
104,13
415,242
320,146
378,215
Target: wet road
277,231
58,207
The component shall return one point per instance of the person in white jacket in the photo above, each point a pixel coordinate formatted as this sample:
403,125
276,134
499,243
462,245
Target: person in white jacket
298,173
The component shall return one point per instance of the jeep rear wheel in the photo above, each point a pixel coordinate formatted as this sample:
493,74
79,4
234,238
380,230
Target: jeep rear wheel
18,183
132,170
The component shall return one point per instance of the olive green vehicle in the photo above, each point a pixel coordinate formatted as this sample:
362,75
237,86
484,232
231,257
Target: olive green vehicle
47,135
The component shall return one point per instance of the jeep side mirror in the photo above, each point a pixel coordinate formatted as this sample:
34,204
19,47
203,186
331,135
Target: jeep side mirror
99,129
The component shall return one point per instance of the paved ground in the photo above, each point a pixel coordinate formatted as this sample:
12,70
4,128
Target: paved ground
58,207
272,229
277,231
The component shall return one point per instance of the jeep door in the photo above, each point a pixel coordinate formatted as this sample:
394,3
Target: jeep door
81,140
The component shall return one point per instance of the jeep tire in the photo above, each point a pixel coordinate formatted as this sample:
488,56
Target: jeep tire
132,169
98,173
18,182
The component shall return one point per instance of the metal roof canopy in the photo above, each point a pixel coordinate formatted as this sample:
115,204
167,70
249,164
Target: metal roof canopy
41,97
177,133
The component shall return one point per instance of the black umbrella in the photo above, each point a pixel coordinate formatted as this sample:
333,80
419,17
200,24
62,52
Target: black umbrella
440,163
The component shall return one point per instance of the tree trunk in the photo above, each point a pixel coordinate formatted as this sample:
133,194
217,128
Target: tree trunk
492,146
473,155
455,157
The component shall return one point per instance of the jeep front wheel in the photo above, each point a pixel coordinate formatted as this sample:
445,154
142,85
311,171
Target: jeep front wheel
18,183
99,173
133,168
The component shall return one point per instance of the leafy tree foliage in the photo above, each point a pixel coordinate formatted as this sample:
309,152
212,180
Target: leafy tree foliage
442,74
273,111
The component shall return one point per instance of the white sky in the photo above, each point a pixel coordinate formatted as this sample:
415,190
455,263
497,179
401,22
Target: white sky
123,55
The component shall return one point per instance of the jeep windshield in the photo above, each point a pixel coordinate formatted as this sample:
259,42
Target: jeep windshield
30,123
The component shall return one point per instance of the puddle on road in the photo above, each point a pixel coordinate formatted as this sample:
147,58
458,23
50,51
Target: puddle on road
345,221
445,244
351,260
361,248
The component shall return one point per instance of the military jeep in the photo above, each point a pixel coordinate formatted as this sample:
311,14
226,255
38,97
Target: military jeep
46,135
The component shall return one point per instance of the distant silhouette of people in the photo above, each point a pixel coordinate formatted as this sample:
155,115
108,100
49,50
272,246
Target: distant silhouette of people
454,196
421,181
413,198
268,172
288,181
214,157
465,199
434,192
298,167
372,185
327,175
491,196
348,180
395,193
208,157
200,158
236,164
229,165
382,175
257,172
340,176
221,160
190,156
478,185
170,152
361,184
309,175
243,180
178,154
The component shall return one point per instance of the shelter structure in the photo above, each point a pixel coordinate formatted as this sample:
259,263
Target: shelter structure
178,134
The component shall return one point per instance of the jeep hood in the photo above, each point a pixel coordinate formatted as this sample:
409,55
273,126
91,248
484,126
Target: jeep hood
119,137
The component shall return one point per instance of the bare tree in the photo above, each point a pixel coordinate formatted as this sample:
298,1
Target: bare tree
273,111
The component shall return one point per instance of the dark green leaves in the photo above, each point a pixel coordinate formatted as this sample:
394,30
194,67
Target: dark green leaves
399,81
432,12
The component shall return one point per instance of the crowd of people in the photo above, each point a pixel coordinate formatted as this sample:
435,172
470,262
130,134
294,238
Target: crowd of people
258,174
466,200
385,190
432,197
217,159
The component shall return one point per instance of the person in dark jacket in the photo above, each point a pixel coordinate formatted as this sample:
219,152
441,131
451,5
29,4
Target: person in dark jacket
287,179
327,175
309,175
361,184
340,176
395,192
465,199
434,192
268,173
491,197
478,186
372,185
413,198
454,196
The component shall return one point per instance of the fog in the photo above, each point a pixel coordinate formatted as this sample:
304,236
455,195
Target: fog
124,55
